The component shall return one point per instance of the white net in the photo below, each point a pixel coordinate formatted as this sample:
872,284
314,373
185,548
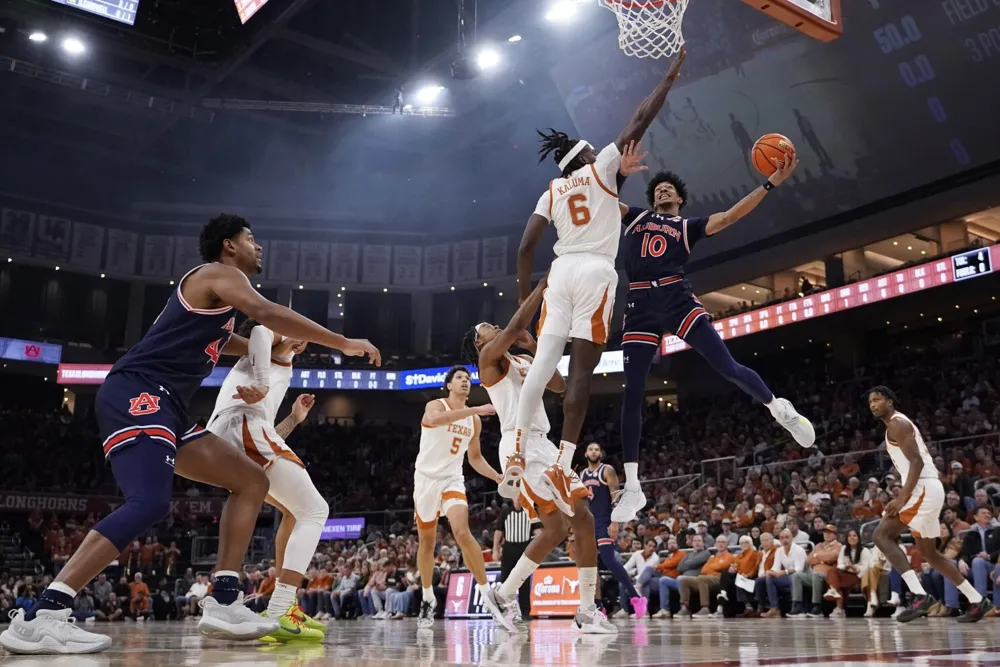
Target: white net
649,28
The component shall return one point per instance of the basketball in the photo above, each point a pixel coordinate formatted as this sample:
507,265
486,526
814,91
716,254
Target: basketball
769,148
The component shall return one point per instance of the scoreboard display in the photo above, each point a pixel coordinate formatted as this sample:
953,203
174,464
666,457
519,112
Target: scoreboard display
122,11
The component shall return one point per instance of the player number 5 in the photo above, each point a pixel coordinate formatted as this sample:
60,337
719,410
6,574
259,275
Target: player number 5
578,210
455,445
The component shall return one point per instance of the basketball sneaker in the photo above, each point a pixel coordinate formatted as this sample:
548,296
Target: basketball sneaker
510,485
290,628
798,426
510,613
50,632
300,615
629,503
976,612
426,617
233,621
593,622
558,483
920,606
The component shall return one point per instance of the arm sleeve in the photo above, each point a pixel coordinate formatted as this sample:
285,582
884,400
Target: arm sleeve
544,205
609,161
261,340
694,231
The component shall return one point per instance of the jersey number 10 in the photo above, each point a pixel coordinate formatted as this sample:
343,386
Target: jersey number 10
653,245
579,212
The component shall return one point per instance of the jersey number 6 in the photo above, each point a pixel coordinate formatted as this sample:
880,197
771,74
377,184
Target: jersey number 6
578,210
455,444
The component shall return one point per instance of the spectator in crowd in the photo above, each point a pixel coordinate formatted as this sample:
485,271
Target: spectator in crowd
162,601
170,558
393,591
102,589
707,581
799,537
732,599
853,560
960,482
690,566
317,596
641,568
732,539
789,559
878,567
110,609
347,587
83,606
667,575
821,560
980,551
188,604
140,605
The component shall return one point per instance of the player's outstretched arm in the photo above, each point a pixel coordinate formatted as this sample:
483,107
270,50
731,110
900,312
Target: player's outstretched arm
651,106
532,236
476,458
232,287
493,351
900,432
719,221
435,415
300,410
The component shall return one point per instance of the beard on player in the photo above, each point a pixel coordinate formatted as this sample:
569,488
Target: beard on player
594,453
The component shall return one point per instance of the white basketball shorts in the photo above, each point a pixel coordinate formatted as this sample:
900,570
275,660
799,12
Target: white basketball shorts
254,435
434,497
922,513
580,298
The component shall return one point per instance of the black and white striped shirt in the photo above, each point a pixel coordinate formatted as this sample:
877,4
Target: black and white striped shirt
514,524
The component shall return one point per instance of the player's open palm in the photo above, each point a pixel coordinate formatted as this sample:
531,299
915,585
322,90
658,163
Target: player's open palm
632,158
360,347
302,405
252,394
785,168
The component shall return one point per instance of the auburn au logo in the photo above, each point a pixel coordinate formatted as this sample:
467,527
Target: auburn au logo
144,404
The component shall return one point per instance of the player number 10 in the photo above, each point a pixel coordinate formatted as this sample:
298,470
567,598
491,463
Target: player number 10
653,245
578,210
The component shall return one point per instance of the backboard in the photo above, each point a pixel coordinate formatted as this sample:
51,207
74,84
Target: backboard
817,18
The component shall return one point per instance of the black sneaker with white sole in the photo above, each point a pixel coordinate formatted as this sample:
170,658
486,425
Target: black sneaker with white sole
920,607
976,611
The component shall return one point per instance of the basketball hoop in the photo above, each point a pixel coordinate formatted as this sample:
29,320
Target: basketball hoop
649,28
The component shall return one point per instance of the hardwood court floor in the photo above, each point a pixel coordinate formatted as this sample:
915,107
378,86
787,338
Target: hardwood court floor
740,643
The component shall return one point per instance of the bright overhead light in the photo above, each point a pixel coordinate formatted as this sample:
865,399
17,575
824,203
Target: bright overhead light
487,59
407,107
428,94
73,46
513,39
562,11
38,36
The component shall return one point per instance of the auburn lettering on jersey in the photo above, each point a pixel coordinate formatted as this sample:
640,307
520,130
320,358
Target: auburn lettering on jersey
658,246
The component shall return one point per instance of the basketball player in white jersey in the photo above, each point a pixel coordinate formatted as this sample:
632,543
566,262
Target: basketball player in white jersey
582,204
559,499
918,508
266,371
448,429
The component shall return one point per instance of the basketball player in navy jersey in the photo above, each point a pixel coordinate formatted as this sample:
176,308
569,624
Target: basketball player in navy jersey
655,246
148,437
601,481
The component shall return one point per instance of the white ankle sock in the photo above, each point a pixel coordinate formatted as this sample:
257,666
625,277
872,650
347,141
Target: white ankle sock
632,477
970,593
518,575
62,588
566,454
913,583
429,596
588,585
282,598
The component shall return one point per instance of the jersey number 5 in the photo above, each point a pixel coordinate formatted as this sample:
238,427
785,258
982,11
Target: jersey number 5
578,210
455,445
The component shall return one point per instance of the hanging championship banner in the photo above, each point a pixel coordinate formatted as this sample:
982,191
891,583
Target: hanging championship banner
436,264
375,266
157,256
406,265
495,257
52,238
123,247
465,258
186,255
284,263
313,259
17,231
88,243
344,262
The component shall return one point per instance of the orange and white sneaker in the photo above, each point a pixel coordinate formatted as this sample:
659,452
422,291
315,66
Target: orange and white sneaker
560,488
510,485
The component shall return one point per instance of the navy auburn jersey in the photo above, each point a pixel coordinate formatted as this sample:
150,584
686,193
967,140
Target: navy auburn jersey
182,347
657,246
600,494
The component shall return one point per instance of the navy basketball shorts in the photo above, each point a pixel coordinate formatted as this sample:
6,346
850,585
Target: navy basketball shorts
652,312
601,525
134,409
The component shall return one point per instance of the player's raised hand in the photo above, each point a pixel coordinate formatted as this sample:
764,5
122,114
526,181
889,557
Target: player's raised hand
632,158
785,168
252,394
675,67
302,405
524,340
485,410
298,346
360,347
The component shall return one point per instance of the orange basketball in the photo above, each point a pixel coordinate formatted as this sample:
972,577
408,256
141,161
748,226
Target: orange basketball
769,148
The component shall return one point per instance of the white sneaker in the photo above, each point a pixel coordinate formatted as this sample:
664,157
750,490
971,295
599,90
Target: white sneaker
663,613
398,616
50,632
426,617
510,485
870,612
838,613
593,622
234,621
800,427
894,600
899,610
630,503
621,613
498,608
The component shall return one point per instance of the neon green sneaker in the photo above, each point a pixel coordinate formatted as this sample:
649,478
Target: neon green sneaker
291,629
298,613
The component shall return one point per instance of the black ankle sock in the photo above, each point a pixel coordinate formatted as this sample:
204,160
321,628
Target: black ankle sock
50,600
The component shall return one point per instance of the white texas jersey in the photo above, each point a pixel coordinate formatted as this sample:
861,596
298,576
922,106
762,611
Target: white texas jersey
506,392
442,448
899,459
584,207
279,377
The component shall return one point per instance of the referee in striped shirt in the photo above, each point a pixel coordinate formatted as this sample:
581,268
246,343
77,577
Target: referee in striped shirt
511,536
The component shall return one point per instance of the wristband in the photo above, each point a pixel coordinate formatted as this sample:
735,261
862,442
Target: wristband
768,186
